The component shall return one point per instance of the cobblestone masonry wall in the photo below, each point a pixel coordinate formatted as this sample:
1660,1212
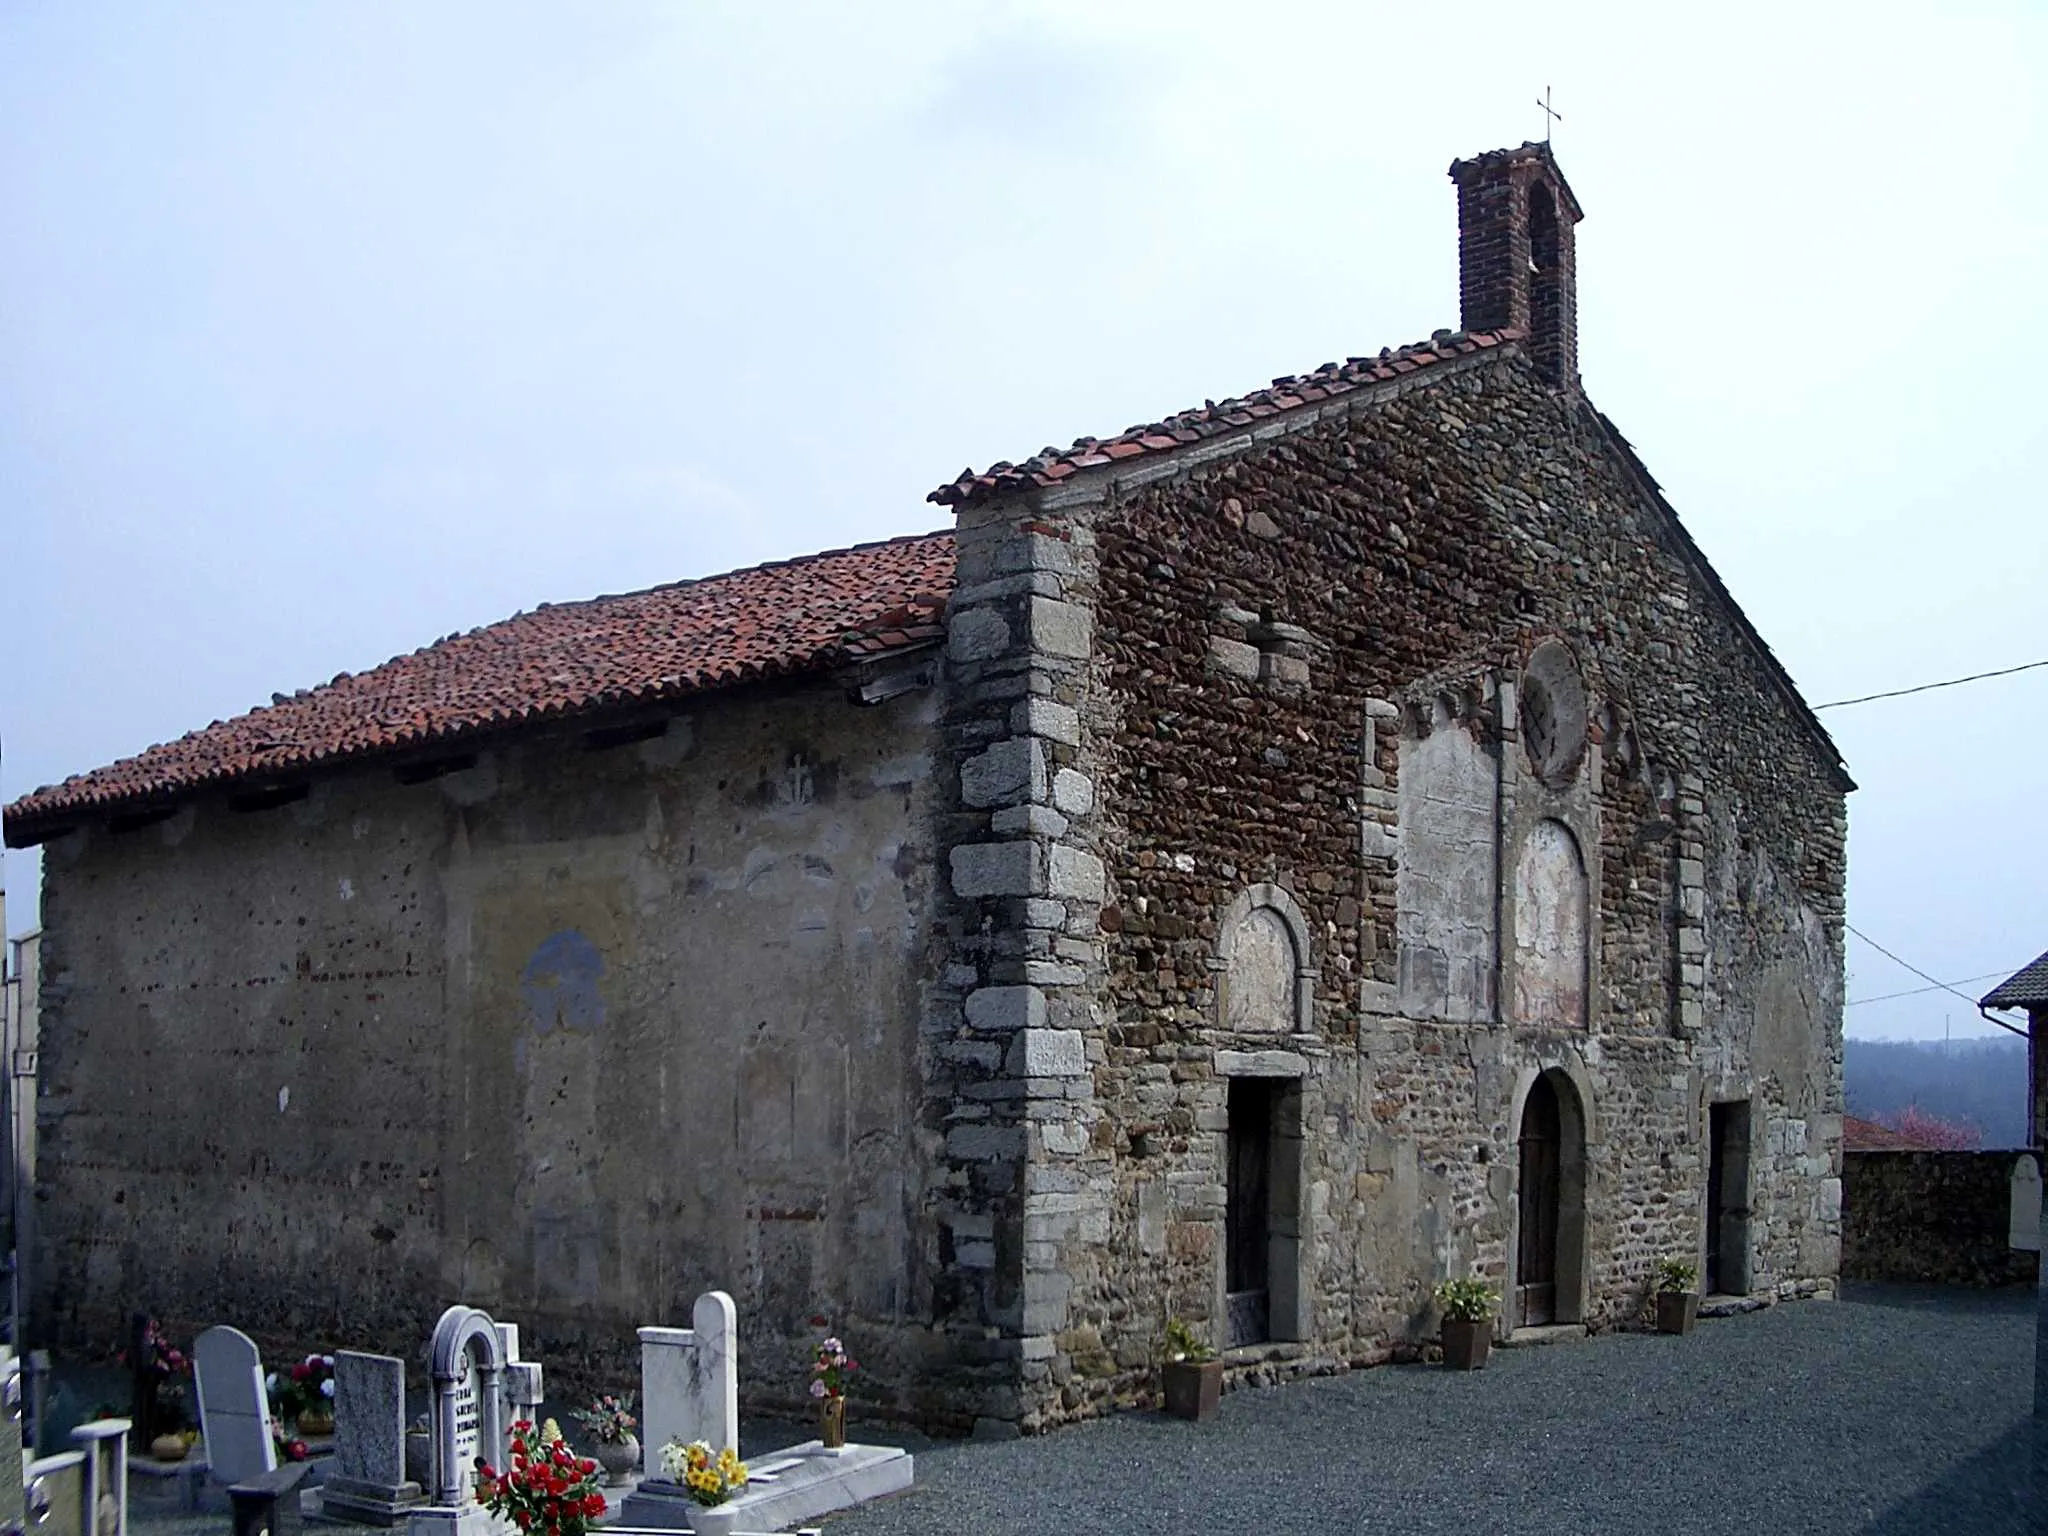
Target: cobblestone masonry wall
1277,618
1938,1218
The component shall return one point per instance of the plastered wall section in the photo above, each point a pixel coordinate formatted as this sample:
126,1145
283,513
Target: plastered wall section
572,1035
1277,618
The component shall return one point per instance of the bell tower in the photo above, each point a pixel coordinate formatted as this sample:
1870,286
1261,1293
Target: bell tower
1515,259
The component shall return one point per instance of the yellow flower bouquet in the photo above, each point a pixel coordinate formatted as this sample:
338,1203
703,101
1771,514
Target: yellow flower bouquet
709,1477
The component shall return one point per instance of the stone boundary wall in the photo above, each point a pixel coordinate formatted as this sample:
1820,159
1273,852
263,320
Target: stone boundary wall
1940,1218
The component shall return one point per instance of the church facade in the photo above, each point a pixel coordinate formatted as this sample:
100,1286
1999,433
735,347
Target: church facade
1247,870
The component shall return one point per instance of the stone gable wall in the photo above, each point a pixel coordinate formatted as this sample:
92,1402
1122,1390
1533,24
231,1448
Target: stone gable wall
1270,623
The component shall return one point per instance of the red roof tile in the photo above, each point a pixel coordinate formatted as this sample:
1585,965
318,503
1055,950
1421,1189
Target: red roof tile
1216,417
567,659
1868,1136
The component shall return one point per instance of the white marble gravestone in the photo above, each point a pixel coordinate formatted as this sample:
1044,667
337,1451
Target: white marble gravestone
689,1390
234,1408
367,1484
521,1381
466,1412
2025,1217
690,1377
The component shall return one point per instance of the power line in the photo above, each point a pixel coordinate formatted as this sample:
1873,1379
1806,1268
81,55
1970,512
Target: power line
1857,1002
1900,693
1939,985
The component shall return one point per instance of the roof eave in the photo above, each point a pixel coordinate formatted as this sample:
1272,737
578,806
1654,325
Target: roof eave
25,826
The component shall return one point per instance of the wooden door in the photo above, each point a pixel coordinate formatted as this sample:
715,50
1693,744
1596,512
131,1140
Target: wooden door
1727,1215
1717,1181
1536,1253
1247,1224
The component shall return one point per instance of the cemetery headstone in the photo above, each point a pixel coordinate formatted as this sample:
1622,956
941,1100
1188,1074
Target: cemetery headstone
13,1509
234,1409
689,1378
467,1416
144,1379
368,1483
2025,1212
522,1380
105,1493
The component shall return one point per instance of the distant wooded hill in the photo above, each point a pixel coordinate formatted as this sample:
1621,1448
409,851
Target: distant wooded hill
1980,1083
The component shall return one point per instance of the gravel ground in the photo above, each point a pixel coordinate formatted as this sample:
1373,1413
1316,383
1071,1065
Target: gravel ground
1896,1412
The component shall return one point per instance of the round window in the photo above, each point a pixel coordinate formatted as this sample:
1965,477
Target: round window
1553,714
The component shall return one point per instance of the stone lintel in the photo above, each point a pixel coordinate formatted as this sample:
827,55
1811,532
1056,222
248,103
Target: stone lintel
1261,1064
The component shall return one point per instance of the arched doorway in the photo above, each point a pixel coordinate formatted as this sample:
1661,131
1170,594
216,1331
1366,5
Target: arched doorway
1550,1226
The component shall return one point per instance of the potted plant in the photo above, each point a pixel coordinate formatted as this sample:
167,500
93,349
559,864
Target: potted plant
1467,1332
547,1488
1190,1374
609,1420
829,1370
710,1478
305,1392
171,1442
1678,1297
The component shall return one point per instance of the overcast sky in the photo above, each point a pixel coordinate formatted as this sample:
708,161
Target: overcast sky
329,329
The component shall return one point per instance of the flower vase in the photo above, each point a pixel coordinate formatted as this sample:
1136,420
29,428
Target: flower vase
832,1423
316,1423
714,1519
618,1458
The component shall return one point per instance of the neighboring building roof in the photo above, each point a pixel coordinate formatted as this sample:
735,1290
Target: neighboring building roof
1868,1136
1215,418
568,659
2025,988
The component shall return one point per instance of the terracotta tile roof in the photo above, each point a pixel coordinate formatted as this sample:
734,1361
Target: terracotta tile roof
2025,988
792,617
1868,1136
1214,418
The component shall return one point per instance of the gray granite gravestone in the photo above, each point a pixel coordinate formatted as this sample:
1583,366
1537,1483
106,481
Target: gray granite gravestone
234,1409
367,1484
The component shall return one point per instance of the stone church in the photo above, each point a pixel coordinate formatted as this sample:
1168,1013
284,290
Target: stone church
1247,869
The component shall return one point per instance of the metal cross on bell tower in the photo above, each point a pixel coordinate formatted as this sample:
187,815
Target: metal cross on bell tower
1549,116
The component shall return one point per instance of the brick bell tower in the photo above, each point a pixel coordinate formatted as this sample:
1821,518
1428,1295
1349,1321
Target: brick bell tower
1515,264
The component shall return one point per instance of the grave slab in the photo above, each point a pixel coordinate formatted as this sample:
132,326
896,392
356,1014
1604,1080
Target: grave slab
798,1484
